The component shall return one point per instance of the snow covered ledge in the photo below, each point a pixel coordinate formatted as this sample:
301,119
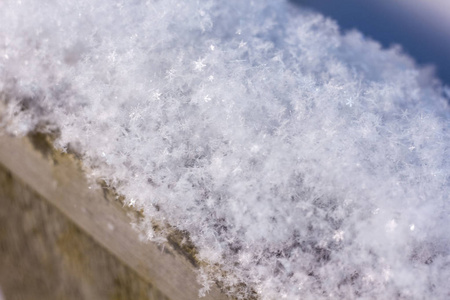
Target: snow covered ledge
61,237
305,162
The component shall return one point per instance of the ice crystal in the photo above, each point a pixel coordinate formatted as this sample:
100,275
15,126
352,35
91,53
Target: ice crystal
305,162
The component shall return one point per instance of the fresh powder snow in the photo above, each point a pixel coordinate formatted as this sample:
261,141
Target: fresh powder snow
305,163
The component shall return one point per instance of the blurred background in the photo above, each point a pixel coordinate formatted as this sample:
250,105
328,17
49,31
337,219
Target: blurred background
421,27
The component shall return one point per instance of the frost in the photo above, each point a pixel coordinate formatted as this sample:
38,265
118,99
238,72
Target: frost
305,163
205,281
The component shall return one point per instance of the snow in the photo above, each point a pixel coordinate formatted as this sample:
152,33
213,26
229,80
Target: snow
304,162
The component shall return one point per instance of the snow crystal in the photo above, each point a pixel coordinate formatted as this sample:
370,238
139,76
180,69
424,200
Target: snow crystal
306,163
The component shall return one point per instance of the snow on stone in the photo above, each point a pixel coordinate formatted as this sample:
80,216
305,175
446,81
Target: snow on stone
306,163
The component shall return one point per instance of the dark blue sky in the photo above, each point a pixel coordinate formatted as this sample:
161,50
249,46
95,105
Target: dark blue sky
392,25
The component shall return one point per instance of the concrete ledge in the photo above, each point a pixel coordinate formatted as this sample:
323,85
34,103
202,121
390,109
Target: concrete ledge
61,240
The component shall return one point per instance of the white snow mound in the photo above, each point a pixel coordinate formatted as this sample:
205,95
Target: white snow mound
306,163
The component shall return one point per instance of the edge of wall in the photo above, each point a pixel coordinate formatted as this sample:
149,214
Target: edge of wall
59,179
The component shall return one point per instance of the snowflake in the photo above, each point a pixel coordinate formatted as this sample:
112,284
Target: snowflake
156,95
170,74
349,102
391,225
338,236
387,274
112,57
199,64
404,115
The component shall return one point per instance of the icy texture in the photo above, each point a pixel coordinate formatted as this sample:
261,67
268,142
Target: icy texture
306,163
